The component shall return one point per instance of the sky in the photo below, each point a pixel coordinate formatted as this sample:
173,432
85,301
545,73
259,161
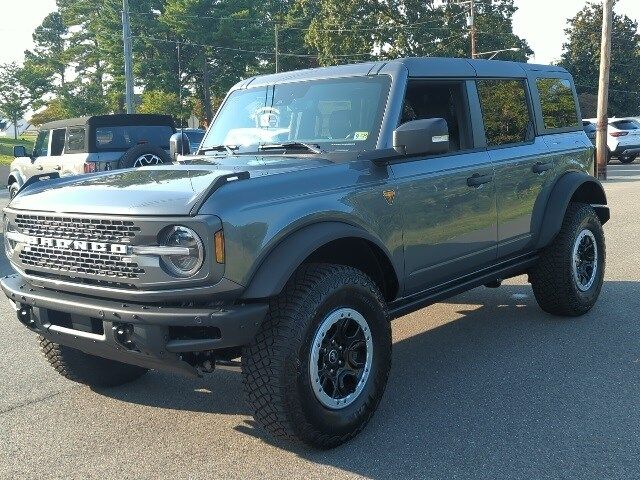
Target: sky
541,22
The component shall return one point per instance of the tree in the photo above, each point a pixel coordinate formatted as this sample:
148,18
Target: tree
54,110
167,103
48,54
581,56
14,97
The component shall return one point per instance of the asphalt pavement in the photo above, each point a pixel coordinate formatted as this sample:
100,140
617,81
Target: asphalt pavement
484,385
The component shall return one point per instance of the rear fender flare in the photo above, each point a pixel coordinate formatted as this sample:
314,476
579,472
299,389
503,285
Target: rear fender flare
572,186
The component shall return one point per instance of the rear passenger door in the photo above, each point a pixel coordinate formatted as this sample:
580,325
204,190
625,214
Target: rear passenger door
75,152
522,161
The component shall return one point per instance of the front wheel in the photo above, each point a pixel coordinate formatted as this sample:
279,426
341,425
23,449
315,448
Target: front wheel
318,367
627,159
568,277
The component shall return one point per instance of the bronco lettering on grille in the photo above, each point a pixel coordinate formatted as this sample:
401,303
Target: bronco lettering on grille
99,247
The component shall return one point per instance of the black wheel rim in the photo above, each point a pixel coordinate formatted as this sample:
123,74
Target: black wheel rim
341,358
585,260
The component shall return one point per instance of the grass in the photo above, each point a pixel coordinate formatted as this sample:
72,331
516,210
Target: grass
7,144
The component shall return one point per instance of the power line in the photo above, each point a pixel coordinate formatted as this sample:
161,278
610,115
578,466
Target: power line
243,50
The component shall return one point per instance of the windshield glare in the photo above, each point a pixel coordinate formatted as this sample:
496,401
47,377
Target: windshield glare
335,114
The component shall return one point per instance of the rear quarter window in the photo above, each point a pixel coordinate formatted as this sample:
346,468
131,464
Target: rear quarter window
76,140
125,137
559,109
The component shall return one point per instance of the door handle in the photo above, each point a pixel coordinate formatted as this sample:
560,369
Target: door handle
39,167
541,167
477,180
57,167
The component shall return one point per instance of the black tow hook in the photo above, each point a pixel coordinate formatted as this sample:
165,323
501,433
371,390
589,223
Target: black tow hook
25,316
124,334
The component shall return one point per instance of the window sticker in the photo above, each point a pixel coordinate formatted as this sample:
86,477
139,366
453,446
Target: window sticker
361,135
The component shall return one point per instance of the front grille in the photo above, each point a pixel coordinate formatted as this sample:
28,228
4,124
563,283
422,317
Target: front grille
73,261
88,229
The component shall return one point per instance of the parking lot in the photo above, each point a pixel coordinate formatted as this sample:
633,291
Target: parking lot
484,385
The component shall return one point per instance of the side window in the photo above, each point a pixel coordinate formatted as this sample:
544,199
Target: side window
559,108
57,142
431,99
76,140
505,111
41,148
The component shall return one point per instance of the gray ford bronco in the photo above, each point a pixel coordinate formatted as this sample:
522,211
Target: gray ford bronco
320,205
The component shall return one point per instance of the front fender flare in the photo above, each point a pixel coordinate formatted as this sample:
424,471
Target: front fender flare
577,186
277,267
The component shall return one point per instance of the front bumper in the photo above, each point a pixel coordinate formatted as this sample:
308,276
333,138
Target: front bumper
141,334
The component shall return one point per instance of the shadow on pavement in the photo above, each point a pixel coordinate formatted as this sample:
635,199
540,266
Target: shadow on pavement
505,391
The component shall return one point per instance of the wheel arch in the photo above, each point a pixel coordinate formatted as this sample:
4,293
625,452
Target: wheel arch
325,242
14,176
571,187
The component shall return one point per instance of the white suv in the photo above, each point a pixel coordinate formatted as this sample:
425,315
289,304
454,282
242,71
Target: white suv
623,138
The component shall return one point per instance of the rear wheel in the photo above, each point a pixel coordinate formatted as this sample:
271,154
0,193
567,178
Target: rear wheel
88,369
317,368
568,277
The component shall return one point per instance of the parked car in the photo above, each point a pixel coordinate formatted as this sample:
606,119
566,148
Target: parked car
93,144
623,138
321,205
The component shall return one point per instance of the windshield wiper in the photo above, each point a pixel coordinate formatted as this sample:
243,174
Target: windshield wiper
290,145
221,148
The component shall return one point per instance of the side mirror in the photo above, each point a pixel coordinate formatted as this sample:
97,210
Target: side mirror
19,151
428,136
179,145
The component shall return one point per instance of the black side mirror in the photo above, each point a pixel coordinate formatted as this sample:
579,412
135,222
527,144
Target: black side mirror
19,151
179,145
428,136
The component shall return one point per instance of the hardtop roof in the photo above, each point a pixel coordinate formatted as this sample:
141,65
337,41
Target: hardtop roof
416,67
111,120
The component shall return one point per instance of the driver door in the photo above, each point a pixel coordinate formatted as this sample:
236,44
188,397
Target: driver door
40,154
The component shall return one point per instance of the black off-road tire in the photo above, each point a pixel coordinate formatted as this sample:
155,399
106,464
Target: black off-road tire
13,190
275,366
554,286
128,160
88,369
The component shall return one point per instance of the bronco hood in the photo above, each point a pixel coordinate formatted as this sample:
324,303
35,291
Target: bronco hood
170,190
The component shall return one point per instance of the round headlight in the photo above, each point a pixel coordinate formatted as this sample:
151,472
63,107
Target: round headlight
185,265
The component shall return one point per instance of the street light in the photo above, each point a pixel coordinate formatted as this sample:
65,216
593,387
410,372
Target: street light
494,53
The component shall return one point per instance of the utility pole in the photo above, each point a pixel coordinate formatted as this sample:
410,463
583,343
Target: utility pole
208,113
472,26
128,63
275,31
603,90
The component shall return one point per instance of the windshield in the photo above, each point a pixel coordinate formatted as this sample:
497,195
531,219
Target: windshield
335,114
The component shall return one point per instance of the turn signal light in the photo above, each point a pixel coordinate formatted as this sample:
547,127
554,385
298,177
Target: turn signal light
619,134
219,246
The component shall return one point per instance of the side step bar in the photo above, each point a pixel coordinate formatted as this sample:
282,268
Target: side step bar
428,297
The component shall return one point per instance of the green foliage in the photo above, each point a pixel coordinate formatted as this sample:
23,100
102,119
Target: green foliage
581,56
14,97
167,103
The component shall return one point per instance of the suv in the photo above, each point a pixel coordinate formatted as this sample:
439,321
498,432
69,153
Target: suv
323,203
623,138
92,144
